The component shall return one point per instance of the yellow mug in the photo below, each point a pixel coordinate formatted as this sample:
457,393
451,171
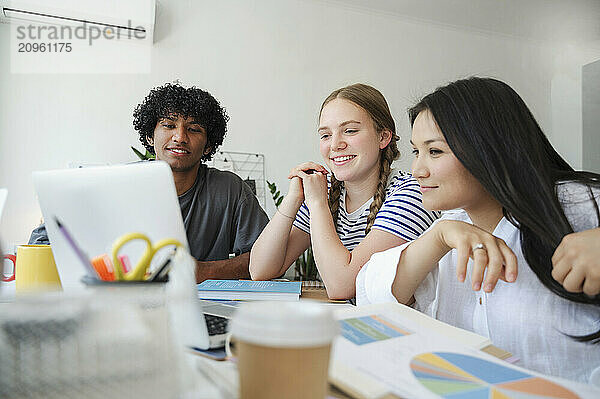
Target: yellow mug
35,269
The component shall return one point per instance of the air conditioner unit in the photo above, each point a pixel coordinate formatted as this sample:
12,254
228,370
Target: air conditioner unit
128,16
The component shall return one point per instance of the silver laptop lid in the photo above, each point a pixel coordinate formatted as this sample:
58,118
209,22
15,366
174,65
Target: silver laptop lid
3,195
100,204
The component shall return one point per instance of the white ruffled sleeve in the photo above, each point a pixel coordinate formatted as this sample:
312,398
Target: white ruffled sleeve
374,281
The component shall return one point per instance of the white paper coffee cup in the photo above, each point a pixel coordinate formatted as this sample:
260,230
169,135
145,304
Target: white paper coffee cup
283,348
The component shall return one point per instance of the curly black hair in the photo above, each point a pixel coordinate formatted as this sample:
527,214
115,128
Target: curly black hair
172,98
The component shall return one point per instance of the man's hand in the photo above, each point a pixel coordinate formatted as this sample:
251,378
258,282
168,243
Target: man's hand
576,262
229,269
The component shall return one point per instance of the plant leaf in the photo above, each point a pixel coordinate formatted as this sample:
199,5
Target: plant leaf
278,201
144,157
139,154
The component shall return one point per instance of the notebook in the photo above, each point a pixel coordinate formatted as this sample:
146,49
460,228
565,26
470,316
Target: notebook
247,290
100,204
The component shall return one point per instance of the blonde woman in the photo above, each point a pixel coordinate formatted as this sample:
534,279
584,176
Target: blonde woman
349,209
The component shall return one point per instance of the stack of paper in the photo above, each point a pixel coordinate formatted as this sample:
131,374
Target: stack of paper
391,350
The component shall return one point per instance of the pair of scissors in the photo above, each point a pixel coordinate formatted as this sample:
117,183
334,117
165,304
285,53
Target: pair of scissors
137,272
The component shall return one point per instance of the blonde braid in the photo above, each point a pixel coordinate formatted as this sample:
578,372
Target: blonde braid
388,155
334,199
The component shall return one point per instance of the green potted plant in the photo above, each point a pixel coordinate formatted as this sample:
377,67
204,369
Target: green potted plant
305,267
143,156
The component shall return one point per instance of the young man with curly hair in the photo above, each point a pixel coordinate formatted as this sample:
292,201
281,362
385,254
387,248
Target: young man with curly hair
184,127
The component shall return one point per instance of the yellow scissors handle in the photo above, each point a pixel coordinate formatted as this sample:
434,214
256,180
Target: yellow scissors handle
137,272
164,242
140,267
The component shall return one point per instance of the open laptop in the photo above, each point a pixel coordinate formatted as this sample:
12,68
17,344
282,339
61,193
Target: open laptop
3,195
100,204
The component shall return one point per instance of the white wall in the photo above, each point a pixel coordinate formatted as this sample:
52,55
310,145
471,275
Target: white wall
270,63
591,117
566,100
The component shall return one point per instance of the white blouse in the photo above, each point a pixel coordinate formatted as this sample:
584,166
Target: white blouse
523,317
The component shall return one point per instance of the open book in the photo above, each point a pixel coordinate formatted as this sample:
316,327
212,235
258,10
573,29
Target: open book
393,351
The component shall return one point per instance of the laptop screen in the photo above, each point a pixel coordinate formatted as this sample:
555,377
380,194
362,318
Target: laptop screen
3,195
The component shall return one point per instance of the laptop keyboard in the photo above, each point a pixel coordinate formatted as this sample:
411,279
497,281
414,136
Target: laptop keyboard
216,325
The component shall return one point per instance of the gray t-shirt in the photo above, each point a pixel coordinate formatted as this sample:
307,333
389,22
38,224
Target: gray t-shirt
220,213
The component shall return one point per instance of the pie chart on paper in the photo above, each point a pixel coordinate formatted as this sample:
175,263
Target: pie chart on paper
457,376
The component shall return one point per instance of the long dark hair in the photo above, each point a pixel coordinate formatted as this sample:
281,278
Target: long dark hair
489,128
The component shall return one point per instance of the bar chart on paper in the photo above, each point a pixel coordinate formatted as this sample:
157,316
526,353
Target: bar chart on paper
458,376
373,328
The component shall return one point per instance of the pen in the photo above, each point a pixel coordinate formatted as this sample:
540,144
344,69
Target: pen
82,257
161,273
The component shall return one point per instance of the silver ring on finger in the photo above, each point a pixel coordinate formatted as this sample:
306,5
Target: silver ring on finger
479,246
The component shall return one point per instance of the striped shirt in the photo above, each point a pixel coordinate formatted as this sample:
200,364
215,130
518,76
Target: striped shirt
402,213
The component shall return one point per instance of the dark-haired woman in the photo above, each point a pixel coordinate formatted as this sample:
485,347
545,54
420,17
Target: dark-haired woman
368,206
479,151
